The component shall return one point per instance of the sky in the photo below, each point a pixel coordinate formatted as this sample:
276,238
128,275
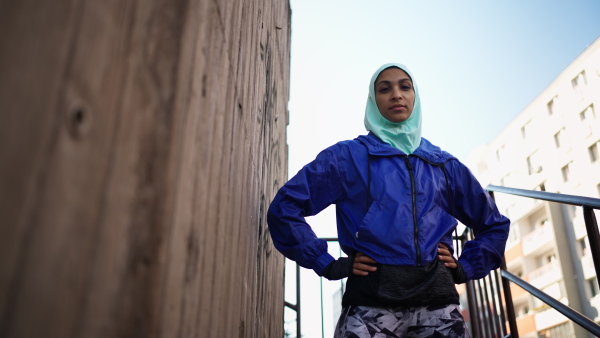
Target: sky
477,64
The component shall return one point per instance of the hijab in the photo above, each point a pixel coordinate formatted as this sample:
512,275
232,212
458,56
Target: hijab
405,136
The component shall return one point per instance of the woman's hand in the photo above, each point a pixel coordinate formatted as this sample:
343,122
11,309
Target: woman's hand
445,256
362,264
458,274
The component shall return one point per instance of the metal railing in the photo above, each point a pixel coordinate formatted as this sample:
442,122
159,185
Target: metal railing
588,204
490,304
486,314
297,307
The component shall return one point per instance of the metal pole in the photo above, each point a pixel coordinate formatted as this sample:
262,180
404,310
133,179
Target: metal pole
594,237
322,312
473,311
510,309
502,306
483,310
495,312
298,326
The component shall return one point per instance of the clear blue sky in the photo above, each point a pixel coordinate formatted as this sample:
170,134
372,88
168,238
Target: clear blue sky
477,65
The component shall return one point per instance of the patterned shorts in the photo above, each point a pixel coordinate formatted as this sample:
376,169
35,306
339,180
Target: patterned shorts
426,321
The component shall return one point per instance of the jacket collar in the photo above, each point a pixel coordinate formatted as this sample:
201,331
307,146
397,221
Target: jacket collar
426,150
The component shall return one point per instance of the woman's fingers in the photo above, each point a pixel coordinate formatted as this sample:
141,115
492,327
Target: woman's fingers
362,258
362,265
446,256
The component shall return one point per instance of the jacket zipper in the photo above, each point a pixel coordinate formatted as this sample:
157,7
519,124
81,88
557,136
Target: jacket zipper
414,208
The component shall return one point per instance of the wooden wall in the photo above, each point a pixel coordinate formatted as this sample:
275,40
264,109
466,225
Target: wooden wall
140,144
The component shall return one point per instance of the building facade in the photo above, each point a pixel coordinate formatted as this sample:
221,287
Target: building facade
552,145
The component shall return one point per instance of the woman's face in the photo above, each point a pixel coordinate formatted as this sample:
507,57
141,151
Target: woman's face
394,94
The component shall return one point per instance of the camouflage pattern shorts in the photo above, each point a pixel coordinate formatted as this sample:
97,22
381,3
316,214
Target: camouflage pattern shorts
425,321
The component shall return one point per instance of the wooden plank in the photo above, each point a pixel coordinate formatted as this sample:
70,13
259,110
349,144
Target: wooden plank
137,198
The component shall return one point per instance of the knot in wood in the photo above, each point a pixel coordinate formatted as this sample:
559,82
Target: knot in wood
78,121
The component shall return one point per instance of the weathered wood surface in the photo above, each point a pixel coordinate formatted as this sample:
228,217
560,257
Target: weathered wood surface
140,144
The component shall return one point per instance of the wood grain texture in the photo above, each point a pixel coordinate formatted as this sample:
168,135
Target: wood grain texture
140,145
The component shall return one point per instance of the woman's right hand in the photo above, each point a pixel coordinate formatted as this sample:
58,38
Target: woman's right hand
363,264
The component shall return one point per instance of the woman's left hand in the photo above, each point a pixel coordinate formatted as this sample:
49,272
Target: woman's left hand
445,256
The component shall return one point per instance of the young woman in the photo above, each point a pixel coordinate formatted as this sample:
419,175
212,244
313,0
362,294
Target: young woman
397,200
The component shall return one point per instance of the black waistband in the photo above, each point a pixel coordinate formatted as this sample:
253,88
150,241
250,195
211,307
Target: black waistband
394,286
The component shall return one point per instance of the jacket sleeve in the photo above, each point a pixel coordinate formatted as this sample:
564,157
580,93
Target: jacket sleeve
316,186
475,208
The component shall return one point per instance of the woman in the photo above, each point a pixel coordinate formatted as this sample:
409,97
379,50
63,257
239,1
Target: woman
397,200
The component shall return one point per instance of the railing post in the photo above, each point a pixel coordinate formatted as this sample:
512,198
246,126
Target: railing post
508,301
473,311
503,318
298,326
593,236
510,309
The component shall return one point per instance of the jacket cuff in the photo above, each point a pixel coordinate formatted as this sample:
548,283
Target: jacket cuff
467,268
322,262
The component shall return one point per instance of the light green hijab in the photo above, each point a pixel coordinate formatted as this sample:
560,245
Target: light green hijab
405,136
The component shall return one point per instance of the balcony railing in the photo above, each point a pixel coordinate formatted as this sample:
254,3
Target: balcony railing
545,275
587,264
537,238
588,204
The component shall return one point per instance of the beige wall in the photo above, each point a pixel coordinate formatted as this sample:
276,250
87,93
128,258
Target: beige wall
140,144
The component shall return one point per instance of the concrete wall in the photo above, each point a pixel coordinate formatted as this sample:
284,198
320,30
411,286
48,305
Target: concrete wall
140,145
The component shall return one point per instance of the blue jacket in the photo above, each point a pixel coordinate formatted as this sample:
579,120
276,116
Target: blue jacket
412,205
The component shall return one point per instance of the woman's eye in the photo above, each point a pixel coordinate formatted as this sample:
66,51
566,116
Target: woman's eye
384,89
406,87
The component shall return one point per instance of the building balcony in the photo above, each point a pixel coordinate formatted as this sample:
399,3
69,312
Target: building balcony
513,253
538,239
548,318
517,291
579,227
545,275
552,290
587,264
526,324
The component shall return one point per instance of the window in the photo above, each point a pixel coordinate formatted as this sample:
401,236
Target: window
583,246
508,180
527,131
548,259
524,131
551,106
522,310
533,164
588,114
566,172
500,153
579,81
593,285
593,152
560,138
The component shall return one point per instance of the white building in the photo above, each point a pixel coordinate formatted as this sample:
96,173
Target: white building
552,145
